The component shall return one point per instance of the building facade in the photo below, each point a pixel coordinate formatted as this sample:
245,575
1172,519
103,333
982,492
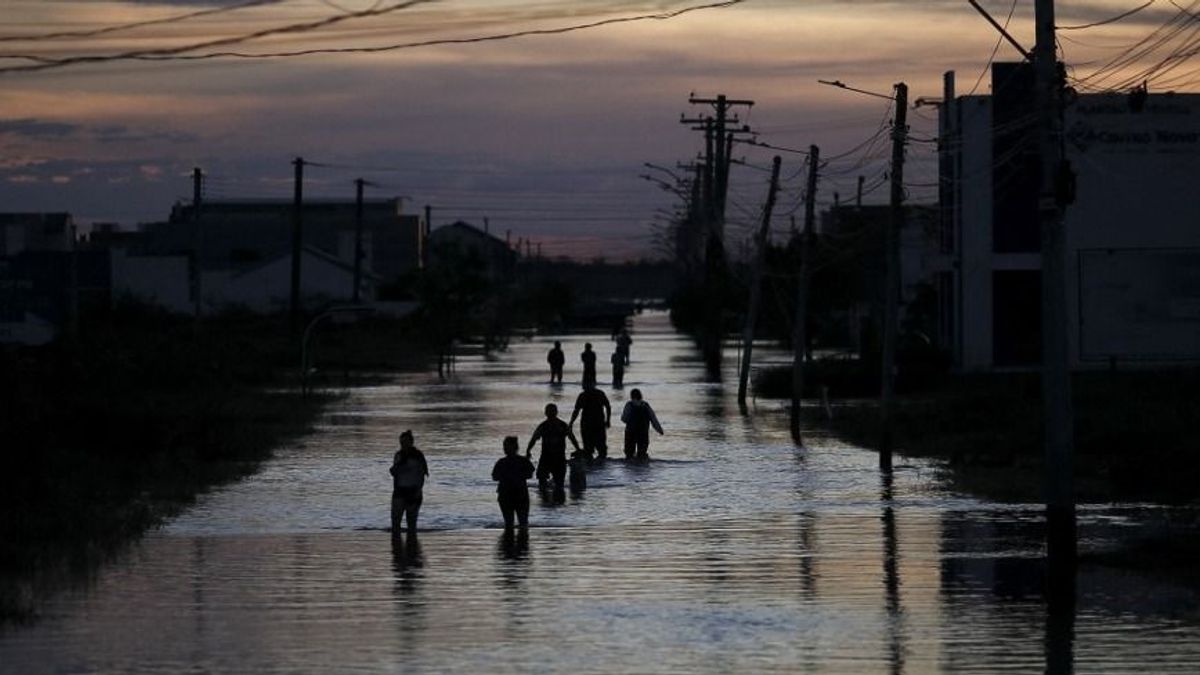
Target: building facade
239,234
1132,227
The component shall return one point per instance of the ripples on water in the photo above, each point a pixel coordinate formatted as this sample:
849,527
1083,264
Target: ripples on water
733,552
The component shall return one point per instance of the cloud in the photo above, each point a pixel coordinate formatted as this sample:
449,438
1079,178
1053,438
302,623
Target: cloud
38,129
543,135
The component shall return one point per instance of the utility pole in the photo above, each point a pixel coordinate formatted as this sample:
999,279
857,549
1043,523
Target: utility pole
763,240
297,241
1056,377
717,142
891,300
800,321
423,237
858,195
358,234
197,241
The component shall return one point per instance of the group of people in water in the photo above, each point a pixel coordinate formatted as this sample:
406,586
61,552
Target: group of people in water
594,412
619,359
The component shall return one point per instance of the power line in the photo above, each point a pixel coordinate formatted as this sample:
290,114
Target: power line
181,53
137,24
1105,22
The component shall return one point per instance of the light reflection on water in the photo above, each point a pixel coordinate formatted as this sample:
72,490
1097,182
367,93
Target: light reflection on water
733,552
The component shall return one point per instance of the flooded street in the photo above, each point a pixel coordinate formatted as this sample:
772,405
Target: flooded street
732,551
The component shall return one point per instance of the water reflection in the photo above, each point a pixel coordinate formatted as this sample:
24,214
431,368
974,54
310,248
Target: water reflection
407,560
891,576
513,547
731,551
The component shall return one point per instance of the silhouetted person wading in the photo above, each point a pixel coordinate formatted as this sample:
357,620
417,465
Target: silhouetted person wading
618,365
623,343
597,417
510,473
638,417
556,359
552,463
409,470
589,364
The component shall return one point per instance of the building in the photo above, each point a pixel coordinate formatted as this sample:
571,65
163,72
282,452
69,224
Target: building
266,287
35,232
1132,230
243,233
38,276
459,242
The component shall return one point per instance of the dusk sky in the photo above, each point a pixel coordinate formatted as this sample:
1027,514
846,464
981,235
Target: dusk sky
545,135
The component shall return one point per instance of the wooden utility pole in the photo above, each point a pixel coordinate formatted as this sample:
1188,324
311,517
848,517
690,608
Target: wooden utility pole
800,321
1056,377
891,286
718,140
197,242
297,241
763,241
358,235
423,237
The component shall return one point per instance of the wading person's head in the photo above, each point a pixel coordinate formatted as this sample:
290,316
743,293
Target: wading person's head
557,344
587,346
551,410
406,439
636,394
511,445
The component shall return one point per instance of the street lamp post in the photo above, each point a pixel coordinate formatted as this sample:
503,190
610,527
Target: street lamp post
352,310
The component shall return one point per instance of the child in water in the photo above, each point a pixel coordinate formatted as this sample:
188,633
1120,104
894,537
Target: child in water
510,473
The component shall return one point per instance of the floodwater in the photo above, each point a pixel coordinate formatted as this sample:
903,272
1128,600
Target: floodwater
732,551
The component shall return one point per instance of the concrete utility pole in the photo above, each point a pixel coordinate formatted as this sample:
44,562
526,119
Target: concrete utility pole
800,321
891,300
197,241
358,234
763,239
297,240
1056,376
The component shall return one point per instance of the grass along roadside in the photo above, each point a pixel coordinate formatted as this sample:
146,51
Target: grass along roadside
1136,433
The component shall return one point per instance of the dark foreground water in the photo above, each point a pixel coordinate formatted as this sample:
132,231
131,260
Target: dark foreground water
733,551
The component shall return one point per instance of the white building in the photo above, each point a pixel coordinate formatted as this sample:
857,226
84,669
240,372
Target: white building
1132,232
267,287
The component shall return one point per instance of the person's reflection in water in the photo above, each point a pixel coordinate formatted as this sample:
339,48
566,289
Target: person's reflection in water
514,544
406,561
512,571
891,579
